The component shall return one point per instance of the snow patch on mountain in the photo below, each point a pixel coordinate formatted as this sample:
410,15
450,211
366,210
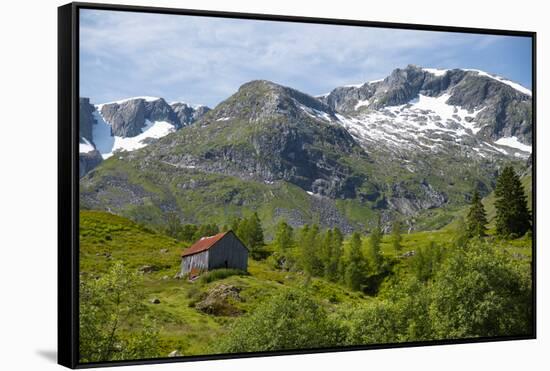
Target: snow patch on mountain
435,71
424,123
514,143
361,103
354,85
515,85
315,113
107,144
85,146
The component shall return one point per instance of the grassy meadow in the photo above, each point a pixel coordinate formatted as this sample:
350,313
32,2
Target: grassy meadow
196,318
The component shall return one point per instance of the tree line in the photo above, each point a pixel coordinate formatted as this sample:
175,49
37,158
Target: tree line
357,261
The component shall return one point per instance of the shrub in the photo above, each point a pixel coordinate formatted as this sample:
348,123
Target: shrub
290,320
481,291
107,305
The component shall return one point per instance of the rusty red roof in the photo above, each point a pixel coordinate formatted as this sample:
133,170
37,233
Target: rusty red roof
204,244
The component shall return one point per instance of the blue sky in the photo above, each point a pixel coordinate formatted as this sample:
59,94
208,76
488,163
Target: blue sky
204,60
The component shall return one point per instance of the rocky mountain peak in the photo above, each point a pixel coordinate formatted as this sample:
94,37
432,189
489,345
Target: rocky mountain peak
127,118
260,99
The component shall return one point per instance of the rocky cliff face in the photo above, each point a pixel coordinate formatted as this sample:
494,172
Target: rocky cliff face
127,118
86,119
187,114
88,161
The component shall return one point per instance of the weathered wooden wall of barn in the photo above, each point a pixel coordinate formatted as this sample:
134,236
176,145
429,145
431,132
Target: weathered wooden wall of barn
199,261
229,249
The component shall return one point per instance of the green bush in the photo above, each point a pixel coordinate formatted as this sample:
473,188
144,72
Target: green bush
108,305
481,291
290,320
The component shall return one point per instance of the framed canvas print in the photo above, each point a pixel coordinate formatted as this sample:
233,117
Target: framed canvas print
236,185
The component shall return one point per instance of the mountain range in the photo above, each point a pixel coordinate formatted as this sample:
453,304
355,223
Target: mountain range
413,145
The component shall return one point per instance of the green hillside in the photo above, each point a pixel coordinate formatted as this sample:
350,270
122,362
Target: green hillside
106,238
209,315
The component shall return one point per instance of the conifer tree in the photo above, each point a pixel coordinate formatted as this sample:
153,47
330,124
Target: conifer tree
396,236
476,224
308,246
333,270
173,226
325,251
284,237
354,269
250,231
374,256
513,217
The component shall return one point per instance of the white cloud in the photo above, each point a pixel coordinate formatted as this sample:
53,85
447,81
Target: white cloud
204,59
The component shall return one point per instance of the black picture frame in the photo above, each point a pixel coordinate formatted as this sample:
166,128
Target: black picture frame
68,177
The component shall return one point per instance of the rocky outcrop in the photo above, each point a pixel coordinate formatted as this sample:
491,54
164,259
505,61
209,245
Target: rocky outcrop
88,161
260,100
408,198
186,114
219,301
129,117
86,119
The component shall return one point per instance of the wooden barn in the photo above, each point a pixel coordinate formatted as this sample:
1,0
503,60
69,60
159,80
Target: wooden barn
223,250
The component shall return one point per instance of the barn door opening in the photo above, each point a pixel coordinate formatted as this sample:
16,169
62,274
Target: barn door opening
226,265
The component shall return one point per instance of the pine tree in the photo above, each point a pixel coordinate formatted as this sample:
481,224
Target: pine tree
374,256
476,220
310,252
234,224
513,217
188,232
333,270
325,251
256,232
173,226
284,237
354,269
250,231
396,236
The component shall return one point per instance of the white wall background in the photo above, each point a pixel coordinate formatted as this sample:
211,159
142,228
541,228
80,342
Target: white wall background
28,58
